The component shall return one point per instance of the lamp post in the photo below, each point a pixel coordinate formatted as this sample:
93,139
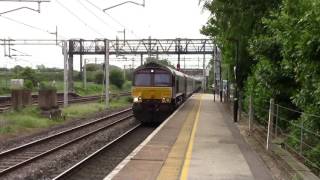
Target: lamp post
236,76
236,99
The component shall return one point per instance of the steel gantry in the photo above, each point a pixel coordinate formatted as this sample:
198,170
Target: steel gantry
144,46
149,46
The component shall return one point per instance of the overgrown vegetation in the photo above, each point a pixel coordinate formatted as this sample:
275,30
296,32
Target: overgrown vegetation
279,53
36,78
30,120
23,121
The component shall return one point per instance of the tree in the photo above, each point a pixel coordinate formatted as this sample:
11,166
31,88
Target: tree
16,70
41,67
93,67
99,77
29,74
164,62
116,78
279,49
232,24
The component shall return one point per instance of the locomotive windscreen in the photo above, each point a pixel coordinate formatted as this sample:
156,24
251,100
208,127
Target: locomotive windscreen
142,79
152,77
162,79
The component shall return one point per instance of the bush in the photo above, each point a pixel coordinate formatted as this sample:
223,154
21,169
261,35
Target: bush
116,78
30,75
127,86
47,86
28,85
99,77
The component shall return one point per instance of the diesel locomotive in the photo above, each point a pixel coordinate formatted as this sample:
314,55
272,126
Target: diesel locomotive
158,90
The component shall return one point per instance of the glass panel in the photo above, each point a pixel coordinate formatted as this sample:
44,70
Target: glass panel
162,80
143,80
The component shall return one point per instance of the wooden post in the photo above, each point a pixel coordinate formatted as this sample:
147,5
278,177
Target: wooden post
250,113
270,124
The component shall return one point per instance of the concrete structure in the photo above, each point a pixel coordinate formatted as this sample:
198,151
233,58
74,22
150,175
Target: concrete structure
199,141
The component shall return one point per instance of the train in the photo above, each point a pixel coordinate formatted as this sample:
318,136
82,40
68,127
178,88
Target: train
157,90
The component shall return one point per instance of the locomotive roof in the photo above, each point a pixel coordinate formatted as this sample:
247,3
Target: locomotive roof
155,64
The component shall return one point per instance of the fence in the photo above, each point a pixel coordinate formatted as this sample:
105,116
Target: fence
289,128
4,83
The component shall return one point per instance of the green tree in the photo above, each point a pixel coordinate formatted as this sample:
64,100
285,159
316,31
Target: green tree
232,23
99,77
164,62
93,67
30,75
17,70
279,50
116,78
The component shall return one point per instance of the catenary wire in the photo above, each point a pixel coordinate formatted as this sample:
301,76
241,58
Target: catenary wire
79,19
114,19
28,25
97,16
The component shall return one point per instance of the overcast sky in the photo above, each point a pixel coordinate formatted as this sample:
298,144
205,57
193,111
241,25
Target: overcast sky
84,19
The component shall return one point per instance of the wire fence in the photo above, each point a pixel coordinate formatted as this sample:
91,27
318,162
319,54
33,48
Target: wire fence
289,128
4,83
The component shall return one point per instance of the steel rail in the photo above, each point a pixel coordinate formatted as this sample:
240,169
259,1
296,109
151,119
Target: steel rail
3,153
32,159
82,162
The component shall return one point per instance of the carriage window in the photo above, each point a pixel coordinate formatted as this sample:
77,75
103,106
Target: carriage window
142,80
162,80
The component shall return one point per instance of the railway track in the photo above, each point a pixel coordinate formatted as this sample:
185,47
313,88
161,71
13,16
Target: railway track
85,161
13,159
7,106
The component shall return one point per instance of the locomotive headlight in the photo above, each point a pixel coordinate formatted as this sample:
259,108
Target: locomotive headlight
166,100
137,99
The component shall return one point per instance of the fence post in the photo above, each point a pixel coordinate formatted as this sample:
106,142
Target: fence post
276,126
301,137
240,106
270,124
250,113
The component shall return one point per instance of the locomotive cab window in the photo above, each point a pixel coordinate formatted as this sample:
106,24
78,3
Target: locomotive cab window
142,79
162,79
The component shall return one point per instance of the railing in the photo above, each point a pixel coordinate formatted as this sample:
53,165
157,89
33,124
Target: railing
293,134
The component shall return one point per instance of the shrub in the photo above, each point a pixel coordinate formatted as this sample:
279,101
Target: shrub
116,78
99,77
47,86
29,74
28,85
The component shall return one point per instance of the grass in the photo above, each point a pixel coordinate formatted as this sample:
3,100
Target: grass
92,88
30,120
78,110
24,120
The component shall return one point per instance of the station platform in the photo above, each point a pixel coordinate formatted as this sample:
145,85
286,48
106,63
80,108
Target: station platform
198,142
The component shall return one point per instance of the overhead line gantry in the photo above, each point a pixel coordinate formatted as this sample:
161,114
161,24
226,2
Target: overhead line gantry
149,46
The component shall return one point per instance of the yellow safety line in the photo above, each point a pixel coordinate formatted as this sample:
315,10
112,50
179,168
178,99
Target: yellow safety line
186,164
172,166
171,169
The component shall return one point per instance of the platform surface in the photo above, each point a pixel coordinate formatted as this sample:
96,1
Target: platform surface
199,141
